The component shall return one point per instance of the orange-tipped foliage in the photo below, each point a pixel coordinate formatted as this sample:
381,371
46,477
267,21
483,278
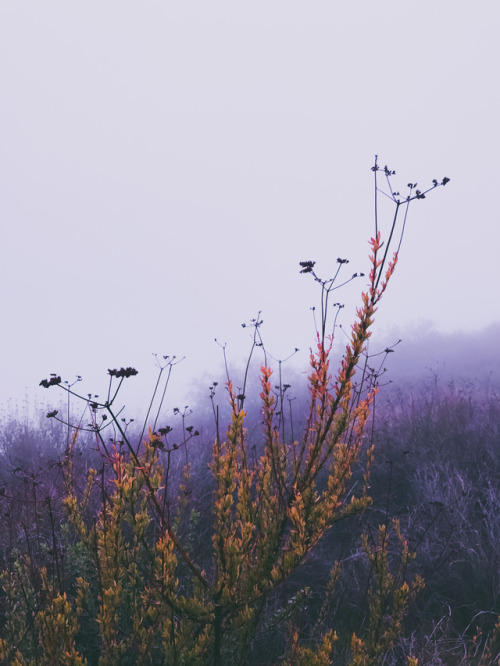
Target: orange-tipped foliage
152,590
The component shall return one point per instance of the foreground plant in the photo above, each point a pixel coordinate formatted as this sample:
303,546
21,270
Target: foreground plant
150,594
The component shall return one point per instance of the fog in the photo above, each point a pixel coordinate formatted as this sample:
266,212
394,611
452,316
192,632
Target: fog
165,167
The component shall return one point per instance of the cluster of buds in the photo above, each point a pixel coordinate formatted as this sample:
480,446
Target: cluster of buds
122,372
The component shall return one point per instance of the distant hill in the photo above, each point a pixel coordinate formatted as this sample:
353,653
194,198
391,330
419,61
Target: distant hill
460,356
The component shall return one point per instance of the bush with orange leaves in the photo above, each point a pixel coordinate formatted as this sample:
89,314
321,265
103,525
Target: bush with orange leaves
133,590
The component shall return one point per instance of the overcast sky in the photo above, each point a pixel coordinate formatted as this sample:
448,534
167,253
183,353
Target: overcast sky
164,166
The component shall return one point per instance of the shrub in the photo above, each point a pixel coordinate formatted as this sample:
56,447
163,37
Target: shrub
141,581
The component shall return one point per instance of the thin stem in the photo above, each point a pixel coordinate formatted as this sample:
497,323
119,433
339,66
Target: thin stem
381,267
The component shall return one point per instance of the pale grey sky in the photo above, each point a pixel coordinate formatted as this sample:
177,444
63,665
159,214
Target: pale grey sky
164,166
